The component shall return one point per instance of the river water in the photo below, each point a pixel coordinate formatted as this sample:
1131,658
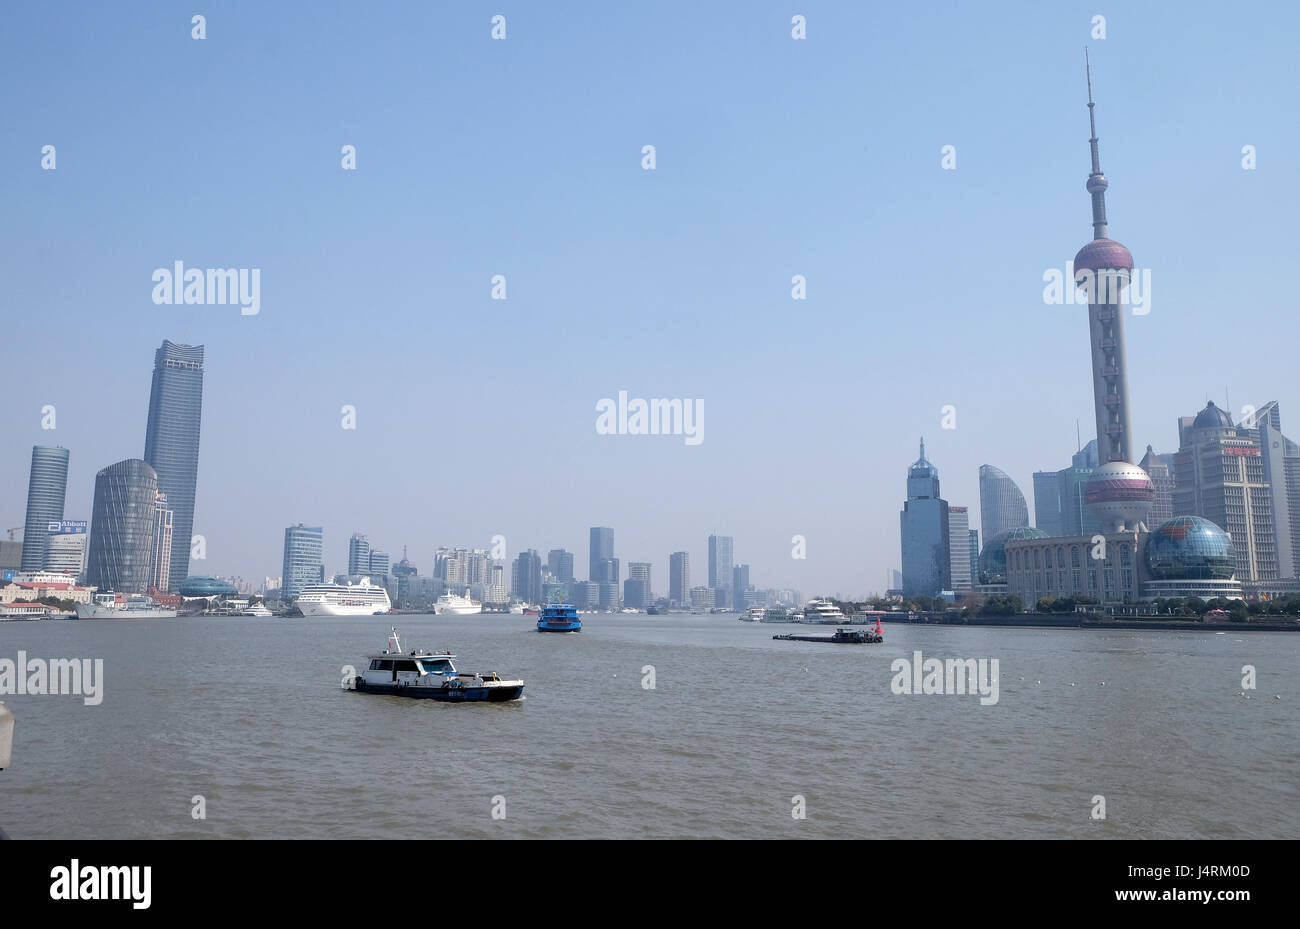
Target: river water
738,734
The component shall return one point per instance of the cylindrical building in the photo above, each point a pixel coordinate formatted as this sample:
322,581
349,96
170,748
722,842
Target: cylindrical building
46,489
122,528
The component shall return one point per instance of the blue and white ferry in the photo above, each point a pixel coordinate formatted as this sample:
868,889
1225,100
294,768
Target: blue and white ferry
432,675
559,617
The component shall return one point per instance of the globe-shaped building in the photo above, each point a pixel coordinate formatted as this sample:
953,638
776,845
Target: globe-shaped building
993,558
198,586
1120,495
1189,548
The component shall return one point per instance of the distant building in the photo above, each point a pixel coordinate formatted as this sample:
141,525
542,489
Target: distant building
958,547
526,576
601,547
739,584
1162,478
304,559
721,549
379,565
171,442
122,528
1282,472
1047,501
702,598
67,547
974,556
358,554
923,526
679,578
160,546
1219,475
47,486
1002,505
637,592
586,595
560,564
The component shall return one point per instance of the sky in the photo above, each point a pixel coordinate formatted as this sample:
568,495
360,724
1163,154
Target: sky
522,157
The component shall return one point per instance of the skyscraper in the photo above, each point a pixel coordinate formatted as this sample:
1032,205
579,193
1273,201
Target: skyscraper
1282,472
46,488
923,527
1002,505
358,554
1162,479
304,554
739,584
679,578
974,557
720,565
1119,492
636,589
1047,501
160,546
171,441
560,564
601,547
1219,475
526,576
958,546
122,528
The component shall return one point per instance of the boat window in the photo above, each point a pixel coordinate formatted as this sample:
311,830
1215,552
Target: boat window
381,664
436,667
375,664
406,665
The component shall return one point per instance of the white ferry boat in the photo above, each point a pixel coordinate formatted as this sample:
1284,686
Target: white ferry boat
360,599
432,675
256,609
457,606
106,606
823,612
754,615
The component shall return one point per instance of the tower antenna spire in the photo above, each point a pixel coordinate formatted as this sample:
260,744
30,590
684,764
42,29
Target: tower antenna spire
1096,180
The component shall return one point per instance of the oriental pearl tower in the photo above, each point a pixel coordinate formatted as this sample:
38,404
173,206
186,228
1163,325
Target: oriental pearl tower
1119,493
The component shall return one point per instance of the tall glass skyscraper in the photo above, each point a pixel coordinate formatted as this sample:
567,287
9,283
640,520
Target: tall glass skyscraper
721,548
122,528
171,441
924,529
1002,505
46,489
679,577
304,559
958,545
601,548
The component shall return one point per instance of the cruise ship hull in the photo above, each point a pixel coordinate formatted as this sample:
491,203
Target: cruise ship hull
318,608
86,611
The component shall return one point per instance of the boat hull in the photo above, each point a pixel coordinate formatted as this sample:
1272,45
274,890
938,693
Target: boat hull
99,613
559,627
446,694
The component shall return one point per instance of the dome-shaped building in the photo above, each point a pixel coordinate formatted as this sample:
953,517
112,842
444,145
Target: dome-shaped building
1190,548
1212,418
198,586
993,557
1189,556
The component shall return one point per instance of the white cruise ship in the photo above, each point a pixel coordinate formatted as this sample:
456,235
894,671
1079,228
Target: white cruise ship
823,612
457,606
360,599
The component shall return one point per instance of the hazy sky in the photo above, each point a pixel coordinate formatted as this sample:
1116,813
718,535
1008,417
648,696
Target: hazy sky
523,158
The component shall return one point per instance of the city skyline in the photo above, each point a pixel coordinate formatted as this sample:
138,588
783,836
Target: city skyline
274,453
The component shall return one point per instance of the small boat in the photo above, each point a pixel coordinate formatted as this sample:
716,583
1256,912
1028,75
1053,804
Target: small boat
450,603
256,609
559,617
431,675
753,615
839,637
531,611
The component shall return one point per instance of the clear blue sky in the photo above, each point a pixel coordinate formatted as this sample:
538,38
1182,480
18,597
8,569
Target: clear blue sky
523,157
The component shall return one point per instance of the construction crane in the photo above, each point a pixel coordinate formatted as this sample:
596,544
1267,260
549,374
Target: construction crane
15,529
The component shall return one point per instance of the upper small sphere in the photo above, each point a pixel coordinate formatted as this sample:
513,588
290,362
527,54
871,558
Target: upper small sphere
1103,254
1212,418
1097,182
